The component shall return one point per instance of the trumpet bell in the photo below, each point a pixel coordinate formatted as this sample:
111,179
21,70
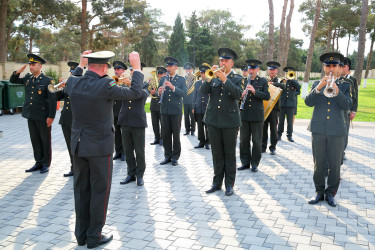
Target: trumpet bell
51,88
329,92
291,75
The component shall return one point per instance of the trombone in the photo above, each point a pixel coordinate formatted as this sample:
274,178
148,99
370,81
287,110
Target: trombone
56,88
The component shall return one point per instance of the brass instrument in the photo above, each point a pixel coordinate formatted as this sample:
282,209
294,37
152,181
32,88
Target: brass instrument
197,74
290,75
211,73
56,88
190,80
153,83
118,80
275,93
329,91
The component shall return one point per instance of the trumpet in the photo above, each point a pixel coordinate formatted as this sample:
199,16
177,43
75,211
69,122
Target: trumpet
118,80
329,91
211,73
56,88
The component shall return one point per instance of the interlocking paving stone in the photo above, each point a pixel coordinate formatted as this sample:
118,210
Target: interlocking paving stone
172,211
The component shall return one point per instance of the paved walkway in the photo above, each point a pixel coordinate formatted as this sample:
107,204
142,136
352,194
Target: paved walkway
268,210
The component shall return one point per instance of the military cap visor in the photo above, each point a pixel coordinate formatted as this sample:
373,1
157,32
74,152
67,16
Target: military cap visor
161,70
331,58
119,65
72,66
171,61
188,65
35,59
253,64
273,65
101,57
348,62
227,53
287,69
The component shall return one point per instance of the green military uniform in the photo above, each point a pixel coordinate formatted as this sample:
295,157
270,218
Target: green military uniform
188,102
252,118
155,112
39,105
328,130
223,119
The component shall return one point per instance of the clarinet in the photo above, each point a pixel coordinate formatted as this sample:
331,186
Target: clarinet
247,92
162,93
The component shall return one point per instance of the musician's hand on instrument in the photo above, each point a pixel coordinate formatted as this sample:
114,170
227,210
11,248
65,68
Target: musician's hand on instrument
49,121
243,94
323,82
134,60
214,67
221,76
251,88
152,91
168,84
21,69
83,60
127,81
63,84
192,111
161,89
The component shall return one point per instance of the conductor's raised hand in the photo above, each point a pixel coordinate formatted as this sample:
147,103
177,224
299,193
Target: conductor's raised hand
134,60
83,60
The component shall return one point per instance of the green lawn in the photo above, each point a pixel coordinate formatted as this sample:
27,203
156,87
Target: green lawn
366,104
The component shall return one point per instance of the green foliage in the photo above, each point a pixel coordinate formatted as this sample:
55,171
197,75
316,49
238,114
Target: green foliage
53,74
176,45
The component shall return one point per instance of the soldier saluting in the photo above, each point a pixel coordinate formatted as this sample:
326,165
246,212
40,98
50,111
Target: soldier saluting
39,109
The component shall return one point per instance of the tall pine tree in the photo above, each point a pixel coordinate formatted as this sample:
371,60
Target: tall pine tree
176,45
148,49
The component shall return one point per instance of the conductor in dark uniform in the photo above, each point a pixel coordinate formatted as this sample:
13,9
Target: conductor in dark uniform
155,109
133,122
200,101
288,103
92,142
119,68
172,88
252,117
273,117
223,119
188,99
39,109
66,113
328,128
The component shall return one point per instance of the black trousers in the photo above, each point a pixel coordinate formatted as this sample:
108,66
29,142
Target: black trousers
189,117
40,136
223,148
171,129
119,149
202,130
327,150
289,113
134,142
251,131
156,124
67,131
272,120
347,121
92,186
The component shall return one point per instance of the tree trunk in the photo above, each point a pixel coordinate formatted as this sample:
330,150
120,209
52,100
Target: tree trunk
361,42
271,32
329,38
280,51
84,25
312,42
3,21
337,41
347,47
287,35
369,58
31,45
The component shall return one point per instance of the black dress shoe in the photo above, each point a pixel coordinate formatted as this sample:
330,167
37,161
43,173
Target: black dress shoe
161,143
290,139
82,243
330,200
105,239
140,182
207,146
117,156
44,169
318,197
229,191
213,189
155,142
279,138
254,169
200,145
127,180
33,168
174,162
272,151
263,150
192,133
123,157
69,174
165,161
187,132
243,167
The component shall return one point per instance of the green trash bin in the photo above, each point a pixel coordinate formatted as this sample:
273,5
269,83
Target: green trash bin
1,98
14,96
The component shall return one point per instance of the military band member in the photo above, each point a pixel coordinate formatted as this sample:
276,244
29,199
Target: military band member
188,99
354,95
155,109
172,89
288,103
200,101
132,119
92,143
119,68
66,113
39,109
273,117
328,128
252,117
223,119
245,71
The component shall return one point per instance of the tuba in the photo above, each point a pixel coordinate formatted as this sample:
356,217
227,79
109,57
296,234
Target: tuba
153,83
290,75
190,80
